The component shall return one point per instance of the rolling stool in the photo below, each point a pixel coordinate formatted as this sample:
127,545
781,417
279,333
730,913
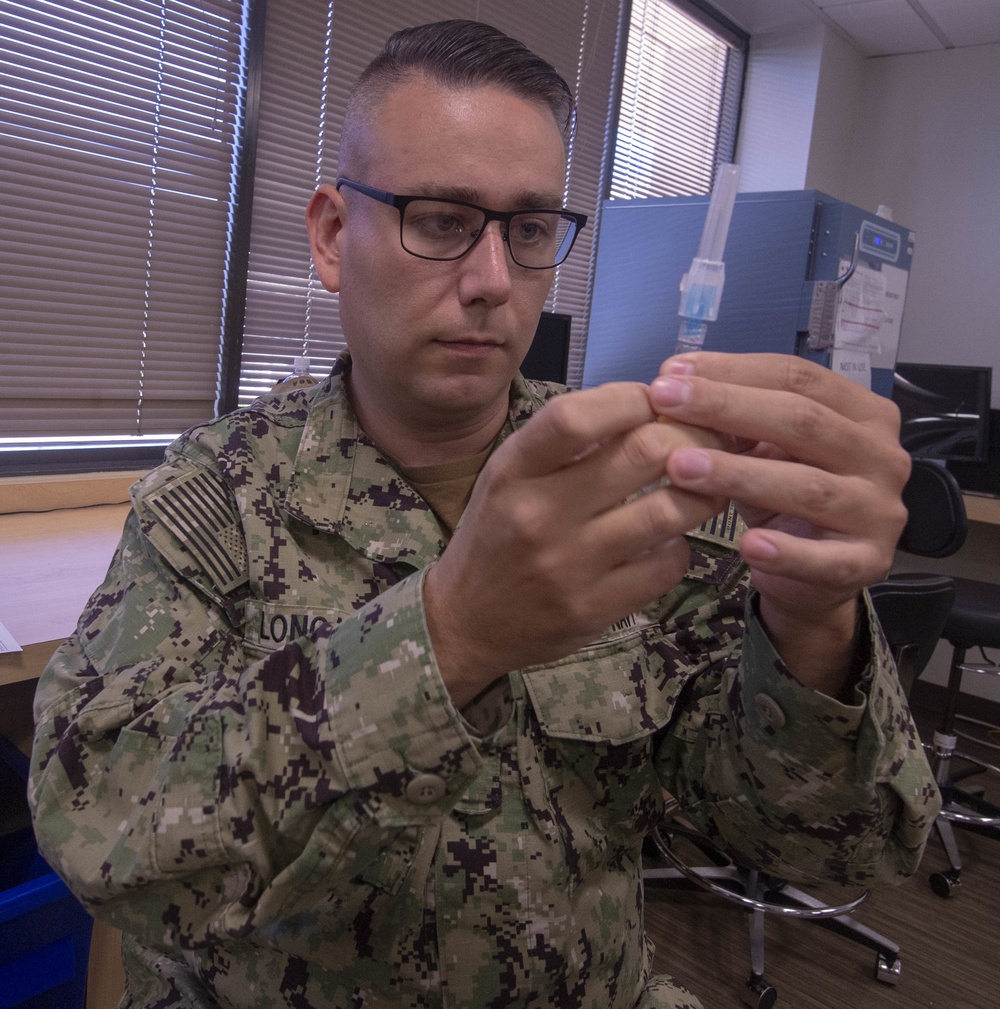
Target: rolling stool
974,622
913,610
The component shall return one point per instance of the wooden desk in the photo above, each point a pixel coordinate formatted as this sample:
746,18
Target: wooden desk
982,509
50,563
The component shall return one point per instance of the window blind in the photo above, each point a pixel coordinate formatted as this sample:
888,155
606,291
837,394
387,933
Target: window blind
313,52
680,96
119,131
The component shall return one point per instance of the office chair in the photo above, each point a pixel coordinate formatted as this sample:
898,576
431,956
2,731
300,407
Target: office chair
974,622
913,610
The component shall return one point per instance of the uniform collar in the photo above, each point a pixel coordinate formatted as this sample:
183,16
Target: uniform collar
342,483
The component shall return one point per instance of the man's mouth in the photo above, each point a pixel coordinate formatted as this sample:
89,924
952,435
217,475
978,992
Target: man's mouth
471,347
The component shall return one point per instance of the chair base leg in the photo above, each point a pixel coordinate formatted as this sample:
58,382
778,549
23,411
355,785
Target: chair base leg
946,833
758,994
965,807
944,884
888,971
886,950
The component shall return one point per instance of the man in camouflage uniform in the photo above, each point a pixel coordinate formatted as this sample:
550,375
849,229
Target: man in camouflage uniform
313,745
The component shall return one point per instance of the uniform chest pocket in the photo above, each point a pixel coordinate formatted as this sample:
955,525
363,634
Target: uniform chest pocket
593,718
615,691
626,685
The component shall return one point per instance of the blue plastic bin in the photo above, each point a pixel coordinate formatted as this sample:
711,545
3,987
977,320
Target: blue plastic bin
44,931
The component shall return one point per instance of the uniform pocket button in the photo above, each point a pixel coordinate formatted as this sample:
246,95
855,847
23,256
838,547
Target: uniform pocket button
770,711
425,789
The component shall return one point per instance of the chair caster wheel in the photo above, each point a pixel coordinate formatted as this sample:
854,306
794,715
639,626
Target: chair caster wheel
944,884
888,971
758,994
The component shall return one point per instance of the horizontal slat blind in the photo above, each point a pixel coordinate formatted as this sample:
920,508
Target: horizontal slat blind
591,77
314,50
284,303
680,96
118,132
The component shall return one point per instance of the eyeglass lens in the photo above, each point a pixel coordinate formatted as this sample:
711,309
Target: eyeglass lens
435,230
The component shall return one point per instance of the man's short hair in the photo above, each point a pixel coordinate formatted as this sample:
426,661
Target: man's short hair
459,54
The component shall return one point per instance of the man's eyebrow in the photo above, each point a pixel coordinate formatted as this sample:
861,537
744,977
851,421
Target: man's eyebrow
525,200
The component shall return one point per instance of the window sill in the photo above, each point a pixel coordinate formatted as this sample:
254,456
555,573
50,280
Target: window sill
51,564
53,493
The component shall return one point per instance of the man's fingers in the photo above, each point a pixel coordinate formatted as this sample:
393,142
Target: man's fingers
594,449
622,534
836,564
571,425
787,373
803,428
648,575
619,468
829,501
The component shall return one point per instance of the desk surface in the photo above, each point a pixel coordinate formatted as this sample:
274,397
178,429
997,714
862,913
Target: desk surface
50,563
982,509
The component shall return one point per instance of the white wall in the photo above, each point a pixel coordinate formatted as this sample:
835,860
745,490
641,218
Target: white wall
840,91
927,144
779,109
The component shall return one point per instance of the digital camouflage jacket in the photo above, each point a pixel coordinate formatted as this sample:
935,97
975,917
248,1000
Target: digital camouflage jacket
246,758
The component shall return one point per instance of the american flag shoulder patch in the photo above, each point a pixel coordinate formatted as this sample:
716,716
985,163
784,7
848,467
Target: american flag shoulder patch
725,529
199,512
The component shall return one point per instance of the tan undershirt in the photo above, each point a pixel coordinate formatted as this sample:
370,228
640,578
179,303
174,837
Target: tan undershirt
447,486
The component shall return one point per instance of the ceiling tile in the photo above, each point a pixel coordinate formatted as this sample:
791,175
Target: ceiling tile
966,22
882,27
877,27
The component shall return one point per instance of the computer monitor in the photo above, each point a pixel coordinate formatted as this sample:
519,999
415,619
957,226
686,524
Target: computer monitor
981,477
945,410
548,356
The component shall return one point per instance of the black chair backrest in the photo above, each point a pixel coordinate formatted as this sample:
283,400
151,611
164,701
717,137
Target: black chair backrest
937,524
912,609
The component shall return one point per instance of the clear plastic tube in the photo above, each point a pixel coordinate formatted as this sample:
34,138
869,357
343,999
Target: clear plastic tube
720,213
701,286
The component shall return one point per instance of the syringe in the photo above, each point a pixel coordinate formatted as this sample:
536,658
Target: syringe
701,286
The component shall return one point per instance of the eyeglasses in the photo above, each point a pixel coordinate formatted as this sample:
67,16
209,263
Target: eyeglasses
432,227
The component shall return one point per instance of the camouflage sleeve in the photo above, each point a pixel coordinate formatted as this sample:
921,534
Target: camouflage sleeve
187,796
798,783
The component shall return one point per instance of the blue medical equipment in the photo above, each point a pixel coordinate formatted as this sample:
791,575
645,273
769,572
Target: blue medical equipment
788,256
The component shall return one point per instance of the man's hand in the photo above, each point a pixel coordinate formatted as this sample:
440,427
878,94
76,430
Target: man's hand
818,481
554,546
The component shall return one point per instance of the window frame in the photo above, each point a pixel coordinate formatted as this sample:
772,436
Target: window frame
19,462
132,457
733,87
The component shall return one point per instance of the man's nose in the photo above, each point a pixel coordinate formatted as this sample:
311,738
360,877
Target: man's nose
486,268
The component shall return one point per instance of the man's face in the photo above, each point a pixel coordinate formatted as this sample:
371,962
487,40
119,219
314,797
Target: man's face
435,344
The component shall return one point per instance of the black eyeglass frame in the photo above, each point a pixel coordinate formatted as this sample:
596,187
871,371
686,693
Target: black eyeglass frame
504,216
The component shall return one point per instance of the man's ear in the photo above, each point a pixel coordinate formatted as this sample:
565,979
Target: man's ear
325,221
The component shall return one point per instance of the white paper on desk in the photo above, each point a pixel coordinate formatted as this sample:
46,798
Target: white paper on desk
7,642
